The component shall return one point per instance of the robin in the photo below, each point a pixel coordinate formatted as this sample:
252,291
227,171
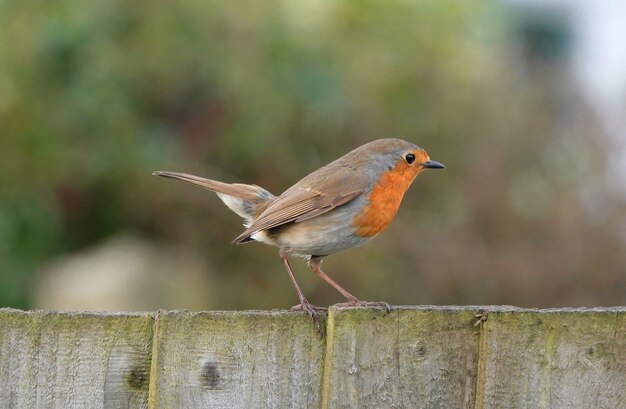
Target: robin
339,206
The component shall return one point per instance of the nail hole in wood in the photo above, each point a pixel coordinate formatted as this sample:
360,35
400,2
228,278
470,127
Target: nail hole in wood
420,351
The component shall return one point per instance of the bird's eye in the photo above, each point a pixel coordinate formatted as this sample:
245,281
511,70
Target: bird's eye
410,158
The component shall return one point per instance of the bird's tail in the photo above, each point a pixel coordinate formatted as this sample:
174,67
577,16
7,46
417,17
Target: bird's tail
248,201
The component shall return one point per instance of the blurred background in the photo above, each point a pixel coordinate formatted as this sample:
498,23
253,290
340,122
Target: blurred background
524,101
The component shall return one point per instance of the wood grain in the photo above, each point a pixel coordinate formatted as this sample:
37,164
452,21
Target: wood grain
563,358
409,358
74,360
236,360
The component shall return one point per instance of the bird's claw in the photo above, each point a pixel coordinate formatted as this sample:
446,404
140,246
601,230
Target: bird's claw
480,318
313,312
299,307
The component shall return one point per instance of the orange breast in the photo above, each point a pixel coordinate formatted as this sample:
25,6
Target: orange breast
384,199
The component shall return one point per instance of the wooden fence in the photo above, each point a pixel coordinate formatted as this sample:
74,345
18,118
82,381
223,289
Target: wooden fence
413,357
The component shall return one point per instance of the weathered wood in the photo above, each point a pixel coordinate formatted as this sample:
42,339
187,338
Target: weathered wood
563,358
409,358
74,360
417,357
236,360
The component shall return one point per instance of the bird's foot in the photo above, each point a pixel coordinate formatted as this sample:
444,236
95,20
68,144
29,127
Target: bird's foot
314,312
480,318
353,302
299,307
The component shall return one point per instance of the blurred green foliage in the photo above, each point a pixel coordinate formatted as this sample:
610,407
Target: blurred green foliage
95,95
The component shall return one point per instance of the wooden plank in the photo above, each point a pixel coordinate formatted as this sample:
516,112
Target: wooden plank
74,360
553,359
263,359
410,358
418,357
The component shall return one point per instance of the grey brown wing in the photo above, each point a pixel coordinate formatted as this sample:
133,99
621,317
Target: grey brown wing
302,202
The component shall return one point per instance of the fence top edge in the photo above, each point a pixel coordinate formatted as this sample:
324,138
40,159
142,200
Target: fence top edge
337,308
505,309
38,312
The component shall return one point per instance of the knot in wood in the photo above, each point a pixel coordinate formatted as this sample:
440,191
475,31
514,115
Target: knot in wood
210,375
136,377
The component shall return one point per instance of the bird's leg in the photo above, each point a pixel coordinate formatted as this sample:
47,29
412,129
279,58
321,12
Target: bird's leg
304,303
315,263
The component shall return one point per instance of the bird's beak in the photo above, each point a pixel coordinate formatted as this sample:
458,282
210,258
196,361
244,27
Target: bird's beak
433,164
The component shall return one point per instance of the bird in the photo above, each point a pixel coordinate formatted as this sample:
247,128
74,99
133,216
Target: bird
341,205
